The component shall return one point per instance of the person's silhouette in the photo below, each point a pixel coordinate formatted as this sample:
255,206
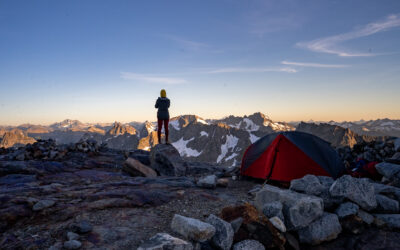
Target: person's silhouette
162,104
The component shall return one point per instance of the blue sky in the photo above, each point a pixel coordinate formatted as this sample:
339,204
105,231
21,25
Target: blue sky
101,61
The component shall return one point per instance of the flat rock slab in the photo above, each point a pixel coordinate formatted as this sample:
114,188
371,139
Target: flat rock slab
324,229
136,168
192,229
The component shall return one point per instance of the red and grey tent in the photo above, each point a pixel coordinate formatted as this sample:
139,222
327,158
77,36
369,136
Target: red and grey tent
291,155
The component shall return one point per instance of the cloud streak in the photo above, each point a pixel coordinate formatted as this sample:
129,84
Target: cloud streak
314,65
151,78
252,70
330,44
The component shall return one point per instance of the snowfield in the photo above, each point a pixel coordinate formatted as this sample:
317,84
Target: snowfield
230,143
250,125
202,121
175,124
203,133
253,138
183,150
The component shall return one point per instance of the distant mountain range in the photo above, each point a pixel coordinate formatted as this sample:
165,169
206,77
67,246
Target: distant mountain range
379,127
221,141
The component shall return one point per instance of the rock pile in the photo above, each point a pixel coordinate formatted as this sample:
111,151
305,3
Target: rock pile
360,203
286,218
86,146
370,151
253,230
48,150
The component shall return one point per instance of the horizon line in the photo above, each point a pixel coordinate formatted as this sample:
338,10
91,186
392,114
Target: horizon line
310,120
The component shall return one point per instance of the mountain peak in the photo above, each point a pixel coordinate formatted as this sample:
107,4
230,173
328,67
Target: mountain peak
15,137
120,129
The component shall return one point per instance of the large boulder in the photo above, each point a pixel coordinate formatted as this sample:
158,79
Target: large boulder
141,155
391,220
389,170
223,236
165,241
359,191
166,160
192,229
309,184
346,209
136,168
299,210
324,229
386,205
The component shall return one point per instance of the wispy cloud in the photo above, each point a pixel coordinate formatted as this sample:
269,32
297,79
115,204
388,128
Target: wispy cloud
314,65
252,70
151,78
194,46
330,44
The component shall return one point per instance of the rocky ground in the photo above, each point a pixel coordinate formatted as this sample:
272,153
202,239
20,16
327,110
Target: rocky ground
90,197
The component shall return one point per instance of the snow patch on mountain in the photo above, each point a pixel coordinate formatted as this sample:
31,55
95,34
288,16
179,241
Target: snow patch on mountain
231,156
235,125
253,138
230,143
203,133
276,126
181,146
175,124
200,120
250,125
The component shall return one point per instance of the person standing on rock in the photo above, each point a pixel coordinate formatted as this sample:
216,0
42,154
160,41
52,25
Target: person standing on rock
162,104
